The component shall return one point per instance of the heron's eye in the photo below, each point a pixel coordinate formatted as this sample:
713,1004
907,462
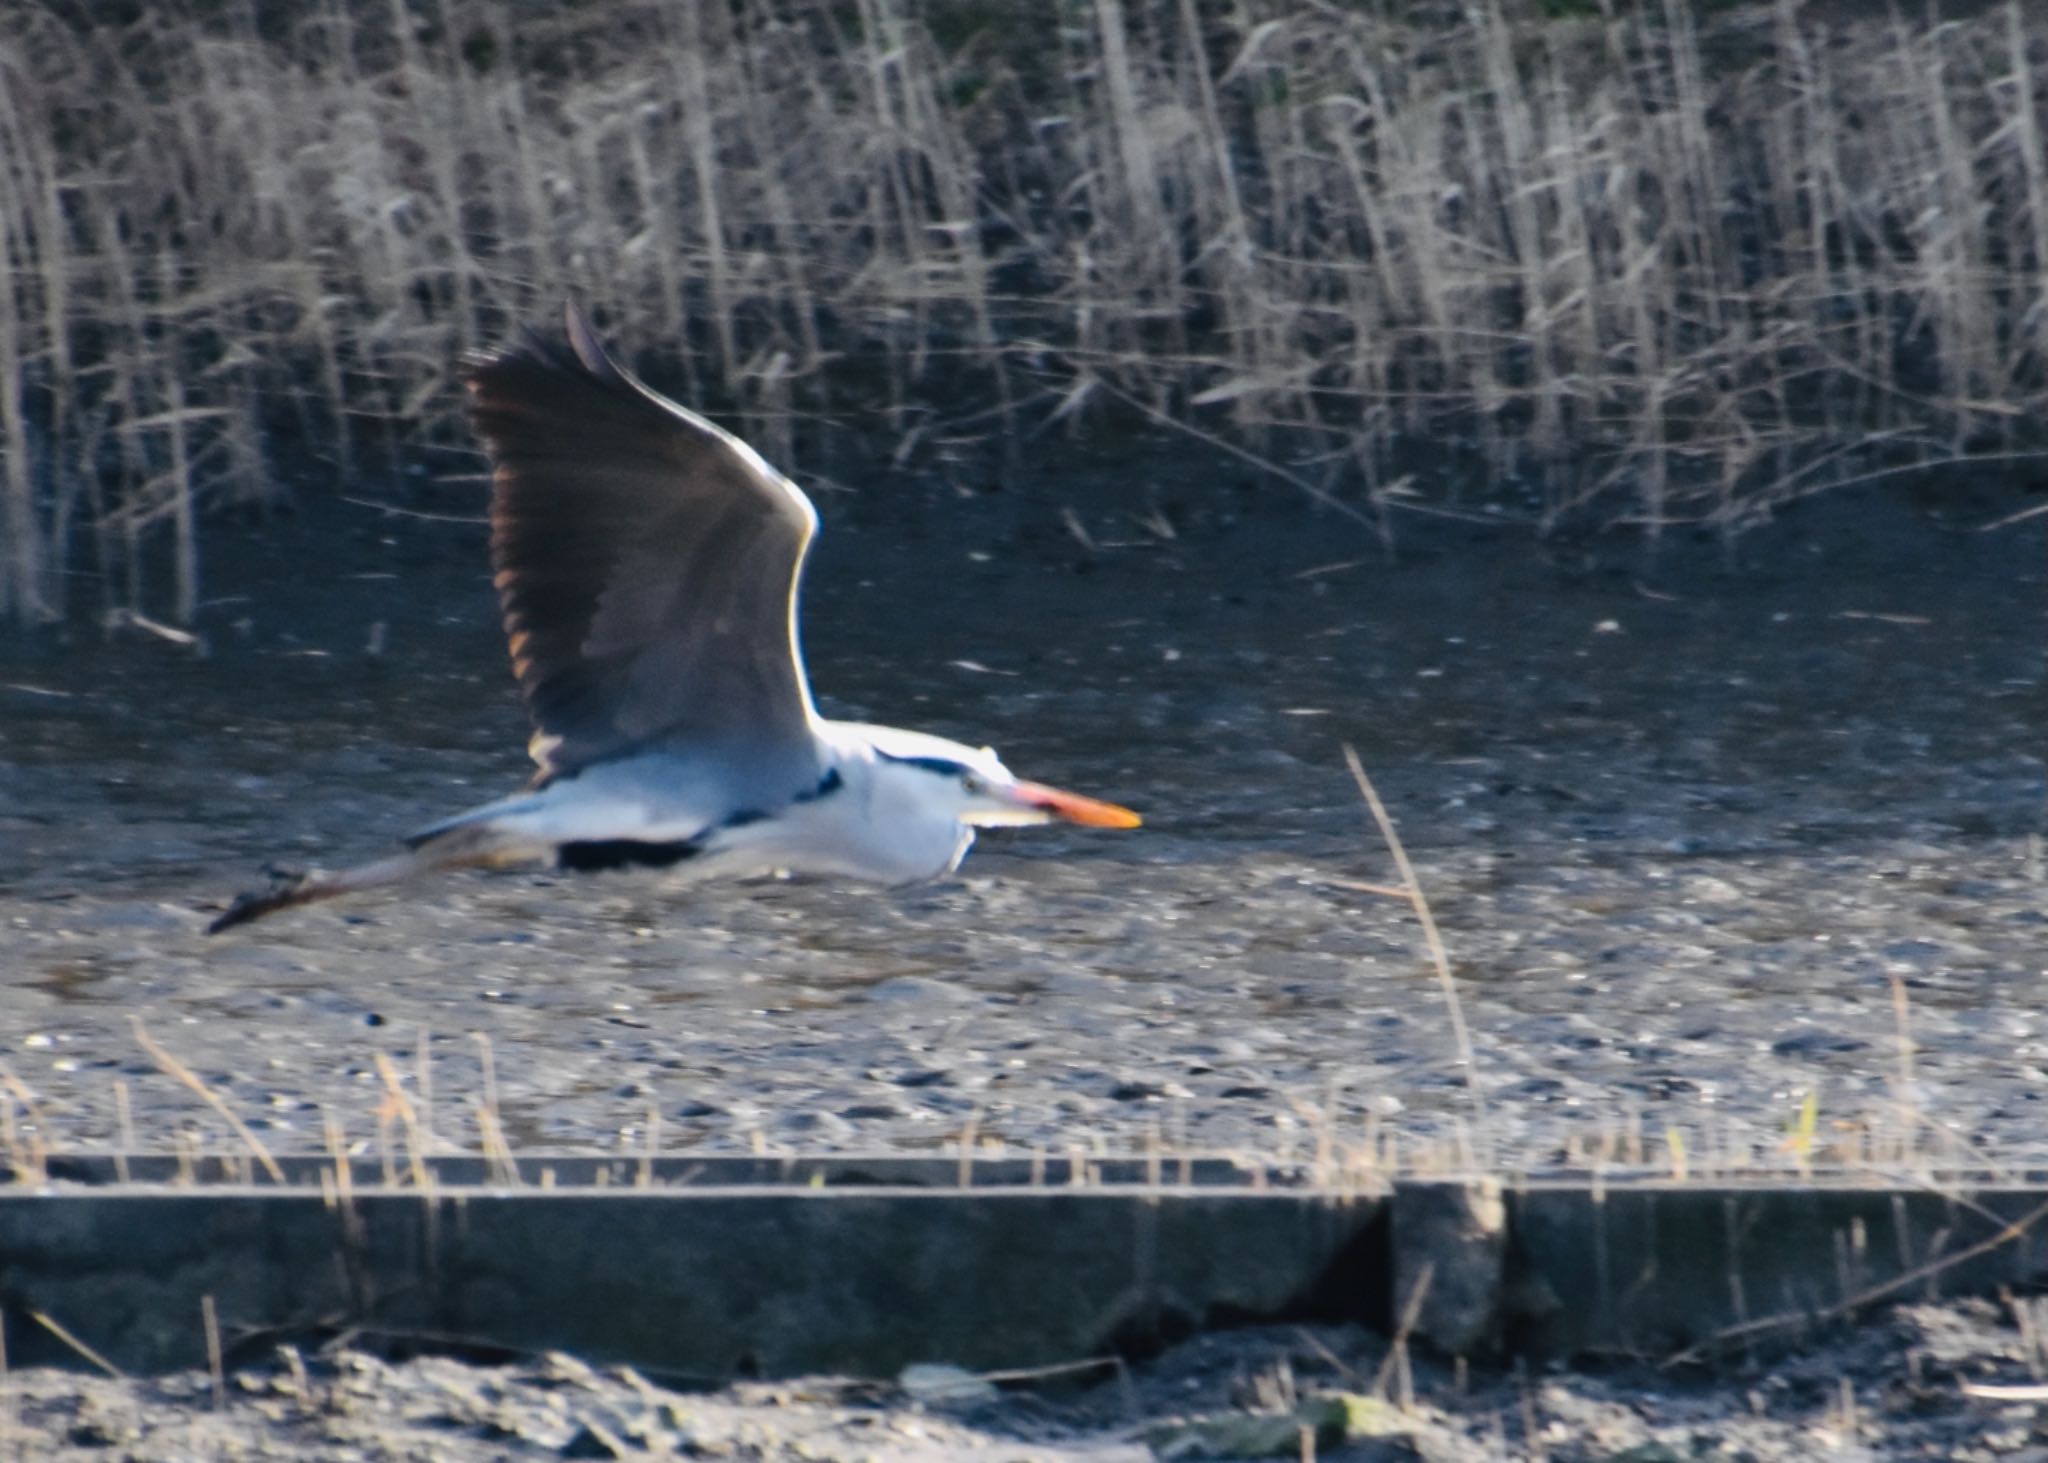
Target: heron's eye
977,786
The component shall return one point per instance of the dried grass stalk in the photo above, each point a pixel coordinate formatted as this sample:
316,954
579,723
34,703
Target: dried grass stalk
1645,266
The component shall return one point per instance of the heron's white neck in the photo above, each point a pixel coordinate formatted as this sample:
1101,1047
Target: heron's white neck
888,807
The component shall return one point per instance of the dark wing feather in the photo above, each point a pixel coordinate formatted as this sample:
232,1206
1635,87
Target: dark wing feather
646,562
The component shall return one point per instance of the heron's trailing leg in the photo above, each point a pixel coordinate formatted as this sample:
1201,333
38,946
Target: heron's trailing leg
470,846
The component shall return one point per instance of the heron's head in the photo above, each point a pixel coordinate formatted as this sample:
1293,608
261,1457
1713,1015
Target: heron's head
981,792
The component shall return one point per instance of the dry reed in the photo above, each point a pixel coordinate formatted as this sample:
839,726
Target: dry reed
1638,266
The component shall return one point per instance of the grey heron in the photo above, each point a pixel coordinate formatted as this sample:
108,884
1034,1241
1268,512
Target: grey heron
647,565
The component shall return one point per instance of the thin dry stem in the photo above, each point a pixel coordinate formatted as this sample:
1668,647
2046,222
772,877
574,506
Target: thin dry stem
49,1323
1439,957
1766,1325
396,1105
1322,236
172,1067
209,1318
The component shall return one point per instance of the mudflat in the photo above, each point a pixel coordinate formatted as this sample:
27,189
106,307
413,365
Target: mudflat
1696,833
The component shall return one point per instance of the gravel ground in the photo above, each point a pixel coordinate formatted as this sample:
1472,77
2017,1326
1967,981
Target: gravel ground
1903,1388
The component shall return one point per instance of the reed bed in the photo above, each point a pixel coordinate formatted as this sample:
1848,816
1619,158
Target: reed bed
1636,267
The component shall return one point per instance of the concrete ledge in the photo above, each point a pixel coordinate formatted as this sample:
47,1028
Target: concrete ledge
707,1170
1666,1270
702,1282
720,1266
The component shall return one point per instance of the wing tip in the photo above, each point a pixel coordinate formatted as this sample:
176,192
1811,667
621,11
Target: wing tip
585,341
585,354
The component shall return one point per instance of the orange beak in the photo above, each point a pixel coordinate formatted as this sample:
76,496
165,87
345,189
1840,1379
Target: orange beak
1073,808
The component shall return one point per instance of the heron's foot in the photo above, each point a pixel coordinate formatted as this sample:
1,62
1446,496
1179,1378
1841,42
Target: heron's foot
285,883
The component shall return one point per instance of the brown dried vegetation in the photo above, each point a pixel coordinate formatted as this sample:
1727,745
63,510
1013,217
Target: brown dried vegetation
1634,265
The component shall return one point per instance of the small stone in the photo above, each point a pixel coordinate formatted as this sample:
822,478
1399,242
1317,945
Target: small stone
594,1440
1815,1042
935,1383
560,1369
913,990
816,1124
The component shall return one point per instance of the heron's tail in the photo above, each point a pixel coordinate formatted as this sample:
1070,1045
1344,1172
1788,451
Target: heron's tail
463,846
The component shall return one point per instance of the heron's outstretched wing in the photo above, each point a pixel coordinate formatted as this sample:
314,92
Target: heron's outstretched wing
647,564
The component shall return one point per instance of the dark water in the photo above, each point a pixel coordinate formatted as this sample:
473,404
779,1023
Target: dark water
1688,828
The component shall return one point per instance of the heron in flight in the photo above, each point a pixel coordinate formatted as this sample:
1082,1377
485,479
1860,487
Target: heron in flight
646,563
